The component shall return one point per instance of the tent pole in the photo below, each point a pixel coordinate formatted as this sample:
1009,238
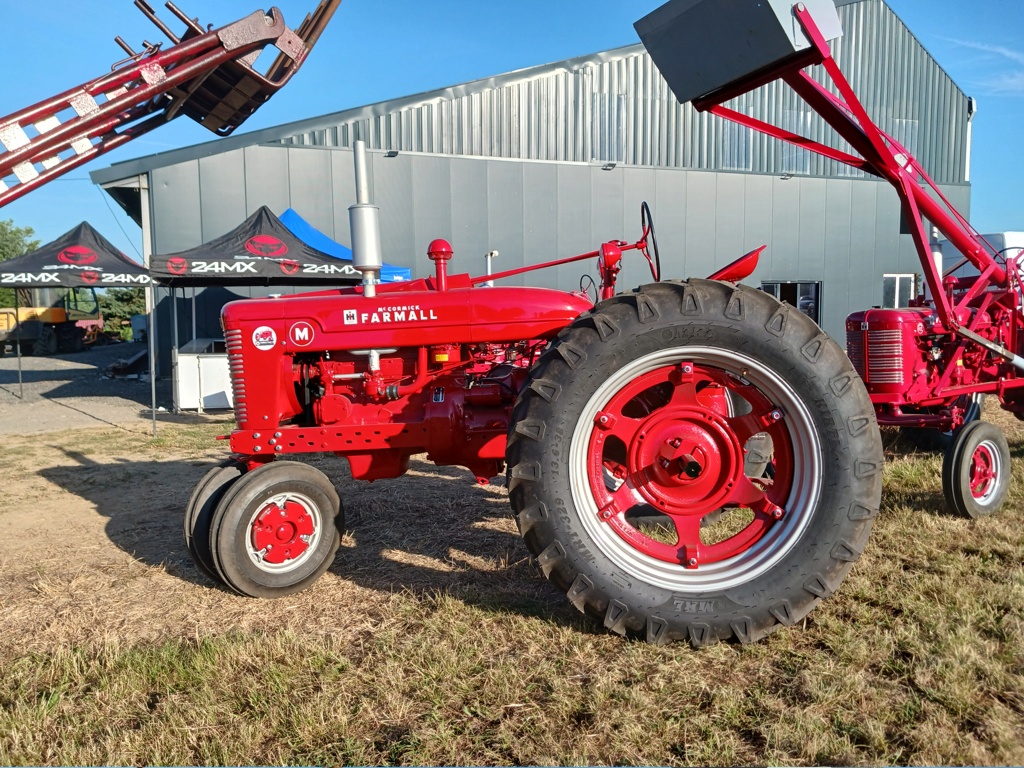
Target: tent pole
174,342
199,364
17,325
151,323
147,261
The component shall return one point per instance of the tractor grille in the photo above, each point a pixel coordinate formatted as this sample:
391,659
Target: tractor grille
855,350
882,361
885,357
236,367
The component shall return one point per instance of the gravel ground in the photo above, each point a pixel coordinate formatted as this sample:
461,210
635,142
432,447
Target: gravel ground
72,391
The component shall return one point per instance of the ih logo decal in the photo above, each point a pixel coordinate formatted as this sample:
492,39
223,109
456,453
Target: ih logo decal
265,246
78,255
177,266
351,317
264,338
302,334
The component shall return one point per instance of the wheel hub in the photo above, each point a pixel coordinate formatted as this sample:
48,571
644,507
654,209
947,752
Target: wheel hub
282,531
983,472
687,460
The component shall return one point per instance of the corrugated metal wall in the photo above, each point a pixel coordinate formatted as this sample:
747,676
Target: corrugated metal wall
616,107
844,233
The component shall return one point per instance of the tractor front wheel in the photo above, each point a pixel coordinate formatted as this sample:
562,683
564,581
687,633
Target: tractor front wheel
275,531
199,512
650,408
976,470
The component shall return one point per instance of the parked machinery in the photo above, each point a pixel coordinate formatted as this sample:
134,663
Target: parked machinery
925,366
687,460
48,320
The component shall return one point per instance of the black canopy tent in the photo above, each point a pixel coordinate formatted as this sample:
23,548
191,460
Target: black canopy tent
259,252
80,258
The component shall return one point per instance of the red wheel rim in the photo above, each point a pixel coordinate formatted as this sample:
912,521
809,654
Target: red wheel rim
983,473
282,532
666,441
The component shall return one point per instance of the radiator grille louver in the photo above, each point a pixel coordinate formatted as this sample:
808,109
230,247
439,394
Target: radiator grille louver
855,351
885,357
236,368
883,360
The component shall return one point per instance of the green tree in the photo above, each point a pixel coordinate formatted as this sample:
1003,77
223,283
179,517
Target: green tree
118,305
14,241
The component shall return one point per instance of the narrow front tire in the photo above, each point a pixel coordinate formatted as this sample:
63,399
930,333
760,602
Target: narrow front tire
976,470
199,512
276,530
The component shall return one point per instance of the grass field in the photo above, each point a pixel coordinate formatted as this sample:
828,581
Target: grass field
443,646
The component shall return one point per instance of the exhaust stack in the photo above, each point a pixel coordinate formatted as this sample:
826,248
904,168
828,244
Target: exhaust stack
364,218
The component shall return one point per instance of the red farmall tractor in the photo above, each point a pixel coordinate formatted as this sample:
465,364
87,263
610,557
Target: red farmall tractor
629,430
688,460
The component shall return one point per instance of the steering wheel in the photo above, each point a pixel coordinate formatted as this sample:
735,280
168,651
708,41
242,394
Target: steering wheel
650,242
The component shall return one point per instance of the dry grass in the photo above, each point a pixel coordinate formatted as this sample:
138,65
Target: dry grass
432,640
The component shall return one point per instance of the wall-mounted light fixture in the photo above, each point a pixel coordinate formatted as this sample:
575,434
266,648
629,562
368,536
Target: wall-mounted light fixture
608,166
391,153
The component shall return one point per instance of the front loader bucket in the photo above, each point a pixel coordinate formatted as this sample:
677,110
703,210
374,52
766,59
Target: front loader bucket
223,99
705,46
209,75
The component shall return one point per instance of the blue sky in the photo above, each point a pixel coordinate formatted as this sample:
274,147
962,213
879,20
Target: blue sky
381,49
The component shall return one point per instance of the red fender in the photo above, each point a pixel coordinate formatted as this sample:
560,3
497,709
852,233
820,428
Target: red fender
741,268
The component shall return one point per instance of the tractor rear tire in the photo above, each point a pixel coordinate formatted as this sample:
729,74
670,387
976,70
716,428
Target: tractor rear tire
620,419
46,344
73,341
199,512
276,530
976,470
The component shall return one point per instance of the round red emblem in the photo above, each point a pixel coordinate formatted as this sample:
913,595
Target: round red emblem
289,267
78,255
177,266
90,277
266,245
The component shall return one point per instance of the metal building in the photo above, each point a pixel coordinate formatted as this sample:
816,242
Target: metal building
551,161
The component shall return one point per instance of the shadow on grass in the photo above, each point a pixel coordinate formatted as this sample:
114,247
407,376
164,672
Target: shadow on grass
434,531
925,502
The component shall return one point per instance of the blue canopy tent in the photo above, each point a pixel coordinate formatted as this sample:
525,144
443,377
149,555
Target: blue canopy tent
314,238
